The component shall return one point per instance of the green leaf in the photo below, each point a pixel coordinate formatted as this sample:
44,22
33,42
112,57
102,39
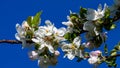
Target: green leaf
107,13
70,36
112,26
111,62
113,52
67,36
117,47
29,20
86,54
37,46
83,11
36,19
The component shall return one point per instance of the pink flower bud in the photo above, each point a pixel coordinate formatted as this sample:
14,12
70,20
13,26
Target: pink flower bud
95,53
57,53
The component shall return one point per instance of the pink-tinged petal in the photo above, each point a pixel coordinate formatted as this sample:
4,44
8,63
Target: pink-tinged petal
92,60
57,53
95,53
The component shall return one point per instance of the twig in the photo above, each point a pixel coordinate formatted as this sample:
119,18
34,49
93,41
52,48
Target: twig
14,41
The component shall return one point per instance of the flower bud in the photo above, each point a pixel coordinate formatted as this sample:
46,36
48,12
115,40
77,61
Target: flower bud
57,53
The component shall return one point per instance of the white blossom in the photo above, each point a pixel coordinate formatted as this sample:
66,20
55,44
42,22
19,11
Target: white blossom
92,60
48,29
72,49
47,36
94,15
69,25
94,56
21,33
91,28
59,33
50,47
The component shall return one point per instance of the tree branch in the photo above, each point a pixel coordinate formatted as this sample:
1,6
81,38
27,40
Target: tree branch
14,41
113,56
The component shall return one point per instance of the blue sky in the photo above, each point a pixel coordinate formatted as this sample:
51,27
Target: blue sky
15,11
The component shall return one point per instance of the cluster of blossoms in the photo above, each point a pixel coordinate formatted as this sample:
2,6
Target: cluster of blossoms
47,39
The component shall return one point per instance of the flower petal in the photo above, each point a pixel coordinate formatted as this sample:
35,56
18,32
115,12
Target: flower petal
77,41
19,29
33,55
92,60
51,49
61,31
68,23
70,56
89,26
17,36
36,40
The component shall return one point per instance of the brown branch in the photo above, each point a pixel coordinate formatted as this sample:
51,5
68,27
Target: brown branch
14,41
29,41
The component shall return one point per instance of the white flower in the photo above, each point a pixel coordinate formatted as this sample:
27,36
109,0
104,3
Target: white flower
94,57
59,33
33,55
39,35
48,28
50,48
92,60
77,41
72,49
88,26
70,56
94,15
69,25
48,36
21,33
91,28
